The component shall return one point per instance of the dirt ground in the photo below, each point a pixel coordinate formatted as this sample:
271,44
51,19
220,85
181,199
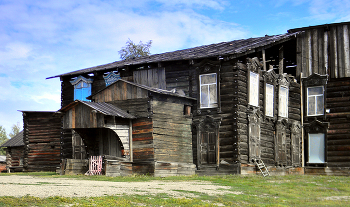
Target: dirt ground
19,186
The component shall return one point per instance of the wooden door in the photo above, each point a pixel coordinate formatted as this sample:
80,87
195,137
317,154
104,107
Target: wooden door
208,148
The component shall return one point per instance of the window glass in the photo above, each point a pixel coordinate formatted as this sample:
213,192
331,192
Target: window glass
283,102
315,101
254,89
269,100
82,88
208,90
316,148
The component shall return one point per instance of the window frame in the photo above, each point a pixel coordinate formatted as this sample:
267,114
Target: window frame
82,87
210,104
254,101
281,112
322,143
316,103
269,107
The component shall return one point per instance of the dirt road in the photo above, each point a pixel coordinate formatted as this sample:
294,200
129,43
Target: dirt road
19,186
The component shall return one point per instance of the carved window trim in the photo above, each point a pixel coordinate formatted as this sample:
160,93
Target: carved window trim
314,80
111,77
283,94
82,88
270,79
314,128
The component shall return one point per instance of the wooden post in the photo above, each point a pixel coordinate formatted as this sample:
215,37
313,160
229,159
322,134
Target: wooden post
130,141
281,60
302,122
264,59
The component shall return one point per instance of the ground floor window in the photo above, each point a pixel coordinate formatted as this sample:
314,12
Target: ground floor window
316,148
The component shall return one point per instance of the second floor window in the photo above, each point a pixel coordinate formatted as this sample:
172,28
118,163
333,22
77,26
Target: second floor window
315,101
254,89
283,102
269,91
208,90
82,88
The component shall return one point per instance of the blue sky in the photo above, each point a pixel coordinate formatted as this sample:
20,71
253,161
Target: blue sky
43,38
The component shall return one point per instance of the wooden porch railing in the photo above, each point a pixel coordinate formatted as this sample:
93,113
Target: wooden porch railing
95,165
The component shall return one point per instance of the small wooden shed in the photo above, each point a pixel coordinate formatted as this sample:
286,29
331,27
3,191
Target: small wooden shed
14,153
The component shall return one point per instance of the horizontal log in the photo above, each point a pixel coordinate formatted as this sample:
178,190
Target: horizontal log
338,148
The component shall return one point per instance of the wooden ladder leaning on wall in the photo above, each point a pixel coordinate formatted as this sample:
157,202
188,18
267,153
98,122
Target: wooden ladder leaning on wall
263,169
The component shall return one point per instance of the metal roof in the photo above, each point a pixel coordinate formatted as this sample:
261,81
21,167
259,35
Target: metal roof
236,47
15,141
104,108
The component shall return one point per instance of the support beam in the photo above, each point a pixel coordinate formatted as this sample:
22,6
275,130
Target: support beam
281,60
264,59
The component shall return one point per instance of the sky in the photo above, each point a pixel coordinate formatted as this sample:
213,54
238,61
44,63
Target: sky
43,38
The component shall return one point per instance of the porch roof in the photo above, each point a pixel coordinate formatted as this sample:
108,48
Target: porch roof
104,108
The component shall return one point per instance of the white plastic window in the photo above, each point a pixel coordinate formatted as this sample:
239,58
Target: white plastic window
315,101
208,90
283,102
316,148
254,89
269,95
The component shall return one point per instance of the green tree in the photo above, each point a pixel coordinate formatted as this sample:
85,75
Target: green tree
132,50
16,128
3,139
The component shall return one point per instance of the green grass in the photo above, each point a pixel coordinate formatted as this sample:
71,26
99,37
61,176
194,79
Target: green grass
291,190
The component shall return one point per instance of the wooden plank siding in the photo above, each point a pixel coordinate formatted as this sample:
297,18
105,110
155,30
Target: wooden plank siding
42,138
172,134
324,50
338,135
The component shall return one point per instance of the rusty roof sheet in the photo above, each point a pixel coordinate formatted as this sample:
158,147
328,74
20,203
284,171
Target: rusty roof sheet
236,47
15,141
104,108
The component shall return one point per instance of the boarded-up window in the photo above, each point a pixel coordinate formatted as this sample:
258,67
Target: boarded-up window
315,101
208,91
283,102
269,91
316,148
254,137
254,89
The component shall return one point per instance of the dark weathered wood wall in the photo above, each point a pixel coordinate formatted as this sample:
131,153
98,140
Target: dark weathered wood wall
143,141
324,50
338,135
42,135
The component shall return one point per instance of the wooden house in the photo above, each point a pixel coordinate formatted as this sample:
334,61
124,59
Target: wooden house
14,153
323,63
235,101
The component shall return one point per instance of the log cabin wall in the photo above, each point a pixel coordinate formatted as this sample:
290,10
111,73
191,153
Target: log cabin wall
338,135
143,141
42,136
14,156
